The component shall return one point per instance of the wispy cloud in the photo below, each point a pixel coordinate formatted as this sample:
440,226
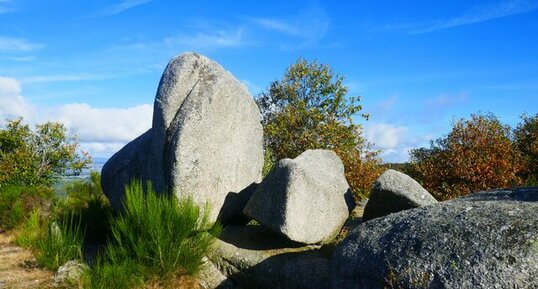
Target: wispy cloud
310,26
122,6
18,44
481,14
218,38
27,58
63,78
446,100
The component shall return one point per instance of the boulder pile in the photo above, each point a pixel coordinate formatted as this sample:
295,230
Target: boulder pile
206,141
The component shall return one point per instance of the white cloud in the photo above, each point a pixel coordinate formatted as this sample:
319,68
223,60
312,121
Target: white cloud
482,14
18,44
122,6
92,124
385,136
12,104
391,139
100,130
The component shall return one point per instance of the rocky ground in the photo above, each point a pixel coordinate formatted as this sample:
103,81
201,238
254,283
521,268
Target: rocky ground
18,267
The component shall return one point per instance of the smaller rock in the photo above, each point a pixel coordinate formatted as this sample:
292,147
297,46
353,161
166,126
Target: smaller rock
393,192
70,273
306,199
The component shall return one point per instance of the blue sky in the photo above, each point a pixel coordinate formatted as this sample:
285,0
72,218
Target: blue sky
95,65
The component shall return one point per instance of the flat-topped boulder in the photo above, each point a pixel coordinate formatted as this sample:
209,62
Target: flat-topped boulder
306,199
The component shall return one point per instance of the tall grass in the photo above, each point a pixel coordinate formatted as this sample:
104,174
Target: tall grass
30,231
155,237
61,242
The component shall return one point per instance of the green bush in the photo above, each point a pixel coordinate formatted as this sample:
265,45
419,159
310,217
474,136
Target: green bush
155,237
38,157
17,203
61,242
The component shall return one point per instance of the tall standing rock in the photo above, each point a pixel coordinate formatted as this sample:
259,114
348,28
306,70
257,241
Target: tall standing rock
206,136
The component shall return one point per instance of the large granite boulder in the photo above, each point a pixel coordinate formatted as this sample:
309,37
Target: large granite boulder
128,164
255,257
307,199
394,191
486,240
206,138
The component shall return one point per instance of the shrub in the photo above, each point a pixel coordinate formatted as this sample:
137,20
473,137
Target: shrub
17,203
37,157
477,154
526,141
309,109
155,236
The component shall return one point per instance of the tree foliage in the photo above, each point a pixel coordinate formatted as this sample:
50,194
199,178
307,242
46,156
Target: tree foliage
478,154
526,141
309,109
36,157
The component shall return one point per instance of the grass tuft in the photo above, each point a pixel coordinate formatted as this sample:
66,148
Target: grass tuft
61,242
155,238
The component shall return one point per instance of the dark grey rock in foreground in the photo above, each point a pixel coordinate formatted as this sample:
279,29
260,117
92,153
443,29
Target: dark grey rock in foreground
485,240
307,199
394,191
206,140
254,257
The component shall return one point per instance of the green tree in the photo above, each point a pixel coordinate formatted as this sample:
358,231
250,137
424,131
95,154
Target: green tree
478,154
309,109
526,141
37,157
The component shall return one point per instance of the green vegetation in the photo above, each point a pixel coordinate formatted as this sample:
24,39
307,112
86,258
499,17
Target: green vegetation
18,202
61,242
37,158
155,236
478,154
155,239
526,141
86,201
309,109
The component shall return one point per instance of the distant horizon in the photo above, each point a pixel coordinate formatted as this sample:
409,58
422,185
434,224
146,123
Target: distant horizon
417,65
